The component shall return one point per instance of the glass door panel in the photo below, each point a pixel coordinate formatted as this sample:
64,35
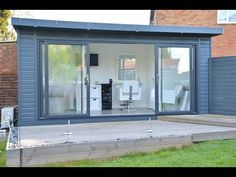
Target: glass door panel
174,90
67,79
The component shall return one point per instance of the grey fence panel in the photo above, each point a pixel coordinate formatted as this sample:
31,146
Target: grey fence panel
223,85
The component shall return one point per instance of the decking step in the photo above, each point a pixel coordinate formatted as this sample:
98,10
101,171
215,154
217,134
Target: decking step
217,120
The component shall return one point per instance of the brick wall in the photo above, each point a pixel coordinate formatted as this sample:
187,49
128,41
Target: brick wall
8,74
223,45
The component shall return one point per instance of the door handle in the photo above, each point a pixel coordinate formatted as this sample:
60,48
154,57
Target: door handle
86,80
157,78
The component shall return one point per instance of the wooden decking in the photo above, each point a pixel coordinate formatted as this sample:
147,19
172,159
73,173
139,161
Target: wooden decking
45,144
206,119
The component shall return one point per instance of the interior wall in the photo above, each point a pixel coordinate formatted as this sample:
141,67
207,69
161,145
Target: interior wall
107,68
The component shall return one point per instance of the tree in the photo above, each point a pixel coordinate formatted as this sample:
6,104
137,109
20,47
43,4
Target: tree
63,63
5,33
166,54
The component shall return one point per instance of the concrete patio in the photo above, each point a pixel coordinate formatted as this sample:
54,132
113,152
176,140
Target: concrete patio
45,144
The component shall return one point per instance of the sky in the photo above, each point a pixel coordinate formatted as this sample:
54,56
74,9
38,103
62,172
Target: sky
183,55
104,16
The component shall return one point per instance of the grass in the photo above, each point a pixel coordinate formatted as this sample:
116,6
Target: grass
206,154
3,153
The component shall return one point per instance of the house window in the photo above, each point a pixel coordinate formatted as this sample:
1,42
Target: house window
126,67
226,16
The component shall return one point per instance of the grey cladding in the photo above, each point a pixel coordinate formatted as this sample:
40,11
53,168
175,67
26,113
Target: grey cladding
223,85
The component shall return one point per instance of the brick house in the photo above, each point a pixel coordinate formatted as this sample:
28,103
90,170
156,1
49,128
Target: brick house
8,74
223,45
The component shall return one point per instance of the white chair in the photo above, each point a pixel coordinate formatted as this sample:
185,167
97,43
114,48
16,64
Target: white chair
129,92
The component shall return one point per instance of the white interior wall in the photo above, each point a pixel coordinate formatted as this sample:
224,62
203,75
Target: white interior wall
108,68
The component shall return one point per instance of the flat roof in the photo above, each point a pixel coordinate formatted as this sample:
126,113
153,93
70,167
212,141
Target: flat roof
55,24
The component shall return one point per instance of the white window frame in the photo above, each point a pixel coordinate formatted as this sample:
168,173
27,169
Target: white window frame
227,18
117,61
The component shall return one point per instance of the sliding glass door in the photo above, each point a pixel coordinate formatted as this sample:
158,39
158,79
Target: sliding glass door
64,79
175,83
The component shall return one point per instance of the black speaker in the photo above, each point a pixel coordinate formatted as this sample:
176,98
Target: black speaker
93,59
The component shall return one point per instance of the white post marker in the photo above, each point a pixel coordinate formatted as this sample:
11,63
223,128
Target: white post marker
149,130
68,133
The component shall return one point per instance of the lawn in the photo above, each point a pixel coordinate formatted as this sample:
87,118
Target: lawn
2,153
206,154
